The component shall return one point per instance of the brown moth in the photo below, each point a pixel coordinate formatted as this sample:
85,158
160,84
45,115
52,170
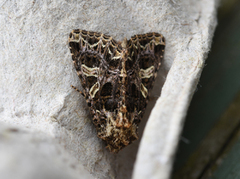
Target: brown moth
116,78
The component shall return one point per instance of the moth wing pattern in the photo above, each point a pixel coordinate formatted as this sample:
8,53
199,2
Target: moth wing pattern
89,54
145,56
116,78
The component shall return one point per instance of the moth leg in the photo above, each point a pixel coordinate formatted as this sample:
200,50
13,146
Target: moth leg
82,93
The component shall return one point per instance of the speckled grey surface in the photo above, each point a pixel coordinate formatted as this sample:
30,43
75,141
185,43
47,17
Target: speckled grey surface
26,154
37,73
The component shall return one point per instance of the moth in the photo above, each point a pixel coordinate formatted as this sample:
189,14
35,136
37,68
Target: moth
116,78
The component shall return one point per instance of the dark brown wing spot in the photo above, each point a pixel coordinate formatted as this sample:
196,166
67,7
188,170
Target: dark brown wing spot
91,60
106,90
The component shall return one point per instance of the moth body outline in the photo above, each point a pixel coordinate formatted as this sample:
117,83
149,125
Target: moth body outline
116,78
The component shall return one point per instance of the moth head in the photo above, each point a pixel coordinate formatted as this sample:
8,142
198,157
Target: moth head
124,43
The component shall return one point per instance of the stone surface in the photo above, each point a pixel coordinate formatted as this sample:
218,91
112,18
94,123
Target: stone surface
37,72
26,154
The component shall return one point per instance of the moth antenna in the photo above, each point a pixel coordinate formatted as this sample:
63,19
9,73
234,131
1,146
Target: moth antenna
78,90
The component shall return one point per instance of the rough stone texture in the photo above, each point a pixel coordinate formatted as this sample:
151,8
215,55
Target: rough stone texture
27,155
36,74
